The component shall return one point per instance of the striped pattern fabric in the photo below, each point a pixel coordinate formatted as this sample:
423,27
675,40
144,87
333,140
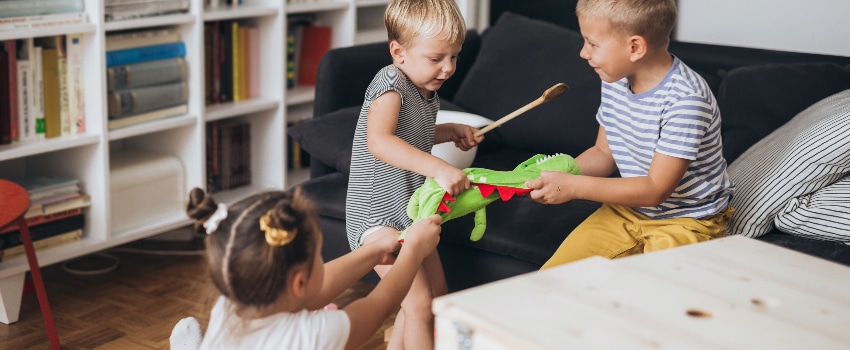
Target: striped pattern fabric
678,118
806,154
378,192
824,214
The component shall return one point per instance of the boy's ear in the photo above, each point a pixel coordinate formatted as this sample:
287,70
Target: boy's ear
397,51
638,47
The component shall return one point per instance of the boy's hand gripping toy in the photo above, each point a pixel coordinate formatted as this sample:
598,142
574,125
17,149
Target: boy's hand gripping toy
430,198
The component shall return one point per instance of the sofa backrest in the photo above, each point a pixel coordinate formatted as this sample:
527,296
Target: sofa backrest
344,73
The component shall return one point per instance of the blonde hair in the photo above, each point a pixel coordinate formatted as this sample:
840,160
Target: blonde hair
406,20
652,19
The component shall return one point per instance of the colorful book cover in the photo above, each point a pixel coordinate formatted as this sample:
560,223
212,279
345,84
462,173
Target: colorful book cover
145,53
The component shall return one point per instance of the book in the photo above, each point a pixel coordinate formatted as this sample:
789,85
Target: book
253,61
26,90
5,112
41,219
226,62
42,21
122,103
118,12
13,238
315,41
38,92
11,49
148,73
75,88
127,40
53,64
290,59
44,243
115,123
209,94
24,8
50,88
213,157
145,53
40,184
238,61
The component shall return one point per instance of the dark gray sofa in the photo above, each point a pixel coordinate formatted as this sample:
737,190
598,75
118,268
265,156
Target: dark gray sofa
511,64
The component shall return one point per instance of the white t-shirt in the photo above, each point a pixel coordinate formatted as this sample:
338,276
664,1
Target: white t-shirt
325,329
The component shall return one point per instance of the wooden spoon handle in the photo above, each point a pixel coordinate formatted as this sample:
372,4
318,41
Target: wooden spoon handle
508,117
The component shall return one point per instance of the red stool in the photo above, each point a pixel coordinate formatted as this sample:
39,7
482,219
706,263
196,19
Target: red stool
14,202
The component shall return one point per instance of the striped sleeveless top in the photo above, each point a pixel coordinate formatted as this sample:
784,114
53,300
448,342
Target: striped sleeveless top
679,118
378,192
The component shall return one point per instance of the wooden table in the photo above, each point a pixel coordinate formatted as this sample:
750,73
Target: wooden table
730,293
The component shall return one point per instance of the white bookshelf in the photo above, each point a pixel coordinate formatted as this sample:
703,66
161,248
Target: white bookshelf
88,156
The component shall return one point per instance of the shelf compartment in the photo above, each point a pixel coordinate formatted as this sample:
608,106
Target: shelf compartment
300,94
154,21
30,148
152,127
239,12
49,31
316,7
232,109
370,3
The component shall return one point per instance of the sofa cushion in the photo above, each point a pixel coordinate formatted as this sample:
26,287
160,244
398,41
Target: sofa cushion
755,100
806,154
822,214
329,138
520,58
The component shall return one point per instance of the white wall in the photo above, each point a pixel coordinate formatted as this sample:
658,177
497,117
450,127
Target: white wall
813,26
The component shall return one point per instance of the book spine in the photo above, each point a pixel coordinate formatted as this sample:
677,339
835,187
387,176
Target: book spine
209,94
44,243
76,98
226,62
38,92
216,61
25,100
5,122
43,219
123,103
12,71
64,104
129,40
290,58
237,54
50,68
253,51
146,73
43,21
23,8
145,53
315,42
49,229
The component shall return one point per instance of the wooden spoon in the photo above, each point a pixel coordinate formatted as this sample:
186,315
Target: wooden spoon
549,95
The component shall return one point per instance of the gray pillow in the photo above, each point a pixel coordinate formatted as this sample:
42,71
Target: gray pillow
808,153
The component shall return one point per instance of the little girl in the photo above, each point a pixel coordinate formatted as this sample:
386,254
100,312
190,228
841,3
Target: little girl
264,255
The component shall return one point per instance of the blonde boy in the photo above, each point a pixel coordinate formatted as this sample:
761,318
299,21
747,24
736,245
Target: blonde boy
659,127
392,143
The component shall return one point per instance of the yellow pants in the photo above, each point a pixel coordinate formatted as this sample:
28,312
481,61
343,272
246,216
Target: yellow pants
615,231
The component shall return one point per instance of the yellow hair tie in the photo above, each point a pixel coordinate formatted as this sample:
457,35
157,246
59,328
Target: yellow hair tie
274,236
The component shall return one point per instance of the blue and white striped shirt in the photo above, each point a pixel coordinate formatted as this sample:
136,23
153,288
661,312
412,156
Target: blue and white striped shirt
678,118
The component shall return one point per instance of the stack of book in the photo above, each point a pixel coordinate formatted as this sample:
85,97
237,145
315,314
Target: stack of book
27,14
146,76
55,216
118,10
231,59
228,155
41,88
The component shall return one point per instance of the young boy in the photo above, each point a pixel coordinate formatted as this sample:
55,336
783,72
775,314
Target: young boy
659,126
392,144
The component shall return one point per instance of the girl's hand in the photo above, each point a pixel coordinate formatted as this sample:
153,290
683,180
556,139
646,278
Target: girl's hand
452,179
388,246
423,236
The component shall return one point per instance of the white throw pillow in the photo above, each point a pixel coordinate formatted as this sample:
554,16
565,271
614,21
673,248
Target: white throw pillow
809,152
824,214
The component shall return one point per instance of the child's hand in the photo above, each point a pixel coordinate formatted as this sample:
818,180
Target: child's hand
553,187
423,236
388,245
463,136
452,179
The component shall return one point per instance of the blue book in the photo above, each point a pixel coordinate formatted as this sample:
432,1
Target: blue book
145,53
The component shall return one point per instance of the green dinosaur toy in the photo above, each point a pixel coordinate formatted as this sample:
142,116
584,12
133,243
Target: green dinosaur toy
430,198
